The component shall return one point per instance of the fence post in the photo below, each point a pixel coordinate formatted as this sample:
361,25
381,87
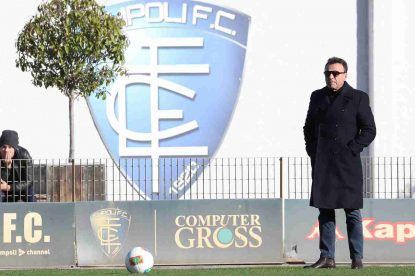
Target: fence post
73,179
282,197
281,179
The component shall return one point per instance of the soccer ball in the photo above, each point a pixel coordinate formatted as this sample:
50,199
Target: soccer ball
139,260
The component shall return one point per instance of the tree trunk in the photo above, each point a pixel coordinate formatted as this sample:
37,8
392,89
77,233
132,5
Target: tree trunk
71,128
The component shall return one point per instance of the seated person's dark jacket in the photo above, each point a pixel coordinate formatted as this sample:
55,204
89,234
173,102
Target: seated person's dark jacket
19,177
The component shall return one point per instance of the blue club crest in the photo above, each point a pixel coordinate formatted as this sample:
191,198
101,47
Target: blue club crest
163,121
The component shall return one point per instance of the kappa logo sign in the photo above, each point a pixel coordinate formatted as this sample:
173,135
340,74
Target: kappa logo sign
185,62
398,232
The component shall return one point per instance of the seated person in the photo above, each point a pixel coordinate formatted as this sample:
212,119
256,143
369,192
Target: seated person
15,170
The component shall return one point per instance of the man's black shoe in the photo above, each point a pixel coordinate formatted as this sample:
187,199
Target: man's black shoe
357,264
323,262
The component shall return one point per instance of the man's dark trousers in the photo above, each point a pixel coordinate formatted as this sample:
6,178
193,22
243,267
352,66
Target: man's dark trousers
327,226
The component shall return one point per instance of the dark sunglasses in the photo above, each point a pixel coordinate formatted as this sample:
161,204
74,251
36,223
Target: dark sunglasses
335,73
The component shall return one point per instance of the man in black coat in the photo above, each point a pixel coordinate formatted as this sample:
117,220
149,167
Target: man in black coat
16,170
338,126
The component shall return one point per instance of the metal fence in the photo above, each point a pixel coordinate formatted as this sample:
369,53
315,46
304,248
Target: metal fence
194,178
383,177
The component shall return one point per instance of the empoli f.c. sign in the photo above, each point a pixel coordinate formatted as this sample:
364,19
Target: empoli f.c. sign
185,62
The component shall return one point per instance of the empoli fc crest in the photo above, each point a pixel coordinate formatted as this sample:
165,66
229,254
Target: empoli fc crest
185,63
110,227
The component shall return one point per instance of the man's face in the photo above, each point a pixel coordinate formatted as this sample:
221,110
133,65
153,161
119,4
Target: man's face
335,76
6,152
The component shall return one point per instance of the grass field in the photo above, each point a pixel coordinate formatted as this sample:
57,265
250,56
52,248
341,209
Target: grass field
274,270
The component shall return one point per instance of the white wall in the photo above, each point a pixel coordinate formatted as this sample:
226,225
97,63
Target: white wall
394,67
288,45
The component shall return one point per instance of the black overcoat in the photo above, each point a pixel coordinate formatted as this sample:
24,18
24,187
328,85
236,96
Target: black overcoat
335,134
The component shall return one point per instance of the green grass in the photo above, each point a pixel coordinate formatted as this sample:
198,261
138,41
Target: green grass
274,270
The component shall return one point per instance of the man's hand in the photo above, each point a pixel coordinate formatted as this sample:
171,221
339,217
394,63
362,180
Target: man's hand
8,159
4,186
